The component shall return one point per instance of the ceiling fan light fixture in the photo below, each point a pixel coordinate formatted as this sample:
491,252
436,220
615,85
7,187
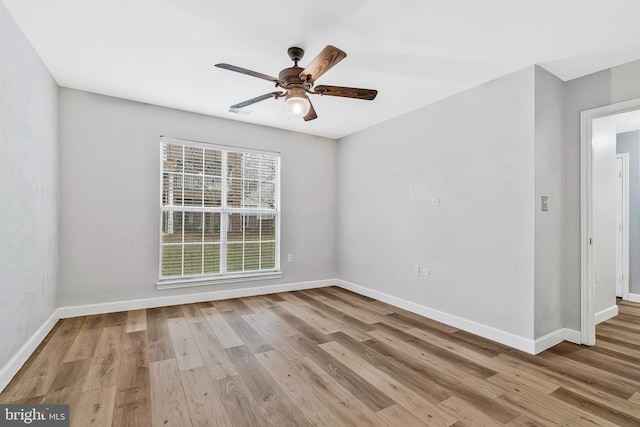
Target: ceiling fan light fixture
296,103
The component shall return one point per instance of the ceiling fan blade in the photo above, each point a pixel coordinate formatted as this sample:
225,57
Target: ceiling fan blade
249,72
256,99
347,92
311,114
327,58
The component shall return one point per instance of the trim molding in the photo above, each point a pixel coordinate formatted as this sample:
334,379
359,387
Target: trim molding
634,297
136,304
556,337
489,332
14,364
606,314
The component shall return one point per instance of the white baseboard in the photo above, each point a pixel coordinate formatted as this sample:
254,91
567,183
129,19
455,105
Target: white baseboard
15,363
11,368
606,314
556,337
634,297
489,332
136,304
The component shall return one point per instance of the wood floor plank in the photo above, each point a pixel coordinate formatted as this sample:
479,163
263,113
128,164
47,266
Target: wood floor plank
278,407
225,333
249,336
168,401
351,410
212,351
205,406
85,343
411,401
455,371
290,381
240,406
94,408
537,404
372,397
103,372
396,415
185,347
136,321
160,345
274,337
466,413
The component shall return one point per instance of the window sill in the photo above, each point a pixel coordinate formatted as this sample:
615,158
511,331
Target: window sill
213,280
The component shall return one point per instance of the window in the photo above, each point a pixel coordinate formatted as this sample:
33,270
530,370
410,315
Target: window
219,212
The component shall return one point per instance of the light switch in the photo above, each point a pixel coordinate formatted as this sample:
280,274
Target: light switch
544,203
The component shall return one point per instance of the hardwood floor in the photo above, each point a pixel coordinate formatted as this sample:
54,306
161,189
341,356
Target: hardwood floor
323,357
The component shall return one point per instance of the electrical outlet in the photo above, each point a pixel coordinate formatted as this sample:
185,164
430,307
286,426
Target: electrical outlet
290,258
425,271
544,203
416,270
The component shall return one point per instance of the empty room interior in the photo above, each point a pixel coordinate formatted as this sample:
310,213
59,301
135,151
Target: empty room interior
443,229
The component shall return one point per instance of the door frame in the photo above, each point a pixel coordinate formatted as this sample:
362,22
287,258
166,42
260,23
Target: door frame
625,225
587,279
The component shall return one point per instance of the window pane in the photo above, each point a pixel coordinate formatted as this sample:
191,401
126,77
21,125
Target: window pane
212,191
251,256
193,226
171,260
193,160
212,162
192,259
234,257
268,168
172,158
251,195
211,259
234,227
267,195
171,189
234,192
211,227
234,164
193,186
171,227
268,227
268,255
251,228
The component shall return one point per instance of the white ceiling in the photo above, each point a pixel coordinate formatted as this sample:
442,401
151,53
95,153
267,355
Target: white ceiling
414,52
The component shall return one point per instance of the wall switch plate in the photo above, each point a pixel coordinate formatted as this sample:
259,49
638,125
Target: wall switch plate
425,271
544,203
416,270
290,258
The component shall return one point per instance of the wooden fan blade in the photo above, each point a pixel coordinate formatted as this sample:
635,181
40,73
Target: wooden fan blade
257,99
347,92
249,72
311,114
327,58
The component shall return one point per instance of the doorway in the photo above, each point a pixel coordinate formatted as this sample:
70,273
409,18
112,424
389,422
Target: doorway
598,216
622,226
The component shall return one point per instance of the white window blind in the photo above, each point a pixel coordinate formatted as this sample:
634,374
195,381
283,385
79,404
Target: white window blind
219,211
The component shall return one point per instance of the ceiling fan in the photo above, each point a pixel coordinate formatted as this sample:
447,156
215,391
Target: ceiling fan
298,82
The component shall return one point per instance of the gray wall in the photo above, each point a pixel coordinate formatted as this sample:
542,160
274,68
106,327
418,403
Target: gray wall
109,176
595,90
549,176
475,152
28,189
629,142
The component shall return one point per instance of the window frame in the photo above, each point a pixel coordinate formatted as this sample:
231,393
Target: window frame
169,282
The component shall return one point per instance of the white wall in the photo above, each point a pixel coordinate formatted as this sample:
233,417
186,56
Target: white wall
28,189
474,152
549,160
109,160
